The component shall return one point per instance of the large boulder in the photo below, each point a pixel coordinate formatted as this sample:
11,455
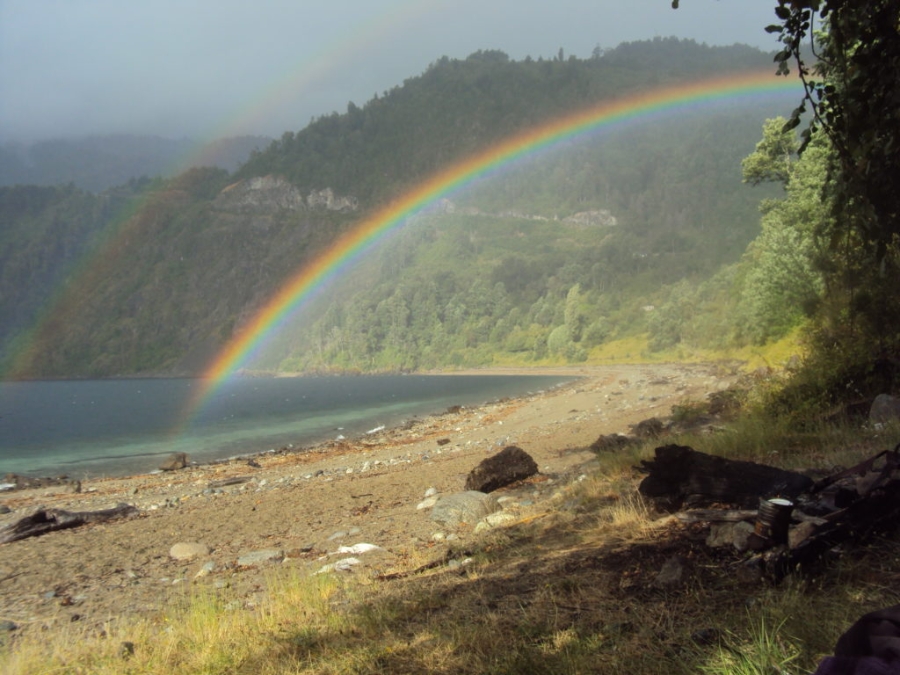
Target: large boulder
508,466
463,507
885,408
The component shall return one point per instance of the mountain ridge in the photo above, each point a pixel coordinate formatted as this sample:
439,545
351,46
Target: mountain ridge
171,280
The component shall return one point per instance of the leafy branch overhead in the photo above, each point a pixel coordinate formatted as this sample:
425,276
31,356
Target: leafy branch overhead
847,56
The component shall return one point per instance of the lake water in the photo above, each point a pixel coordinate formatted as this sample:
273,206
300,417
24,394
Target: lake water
119,427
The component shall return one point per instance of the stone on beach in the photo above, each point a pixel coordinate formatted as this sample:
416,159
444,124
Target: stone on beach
506,467
175,461
188,550
260,557
463,507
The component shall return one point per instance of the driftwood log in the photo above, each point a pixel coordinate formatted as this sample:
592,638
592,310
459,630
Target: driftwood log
680,475
50,520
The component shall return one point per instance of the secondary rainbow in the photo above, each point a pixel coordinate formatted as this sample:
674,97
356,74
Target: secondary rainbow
362,35
348,248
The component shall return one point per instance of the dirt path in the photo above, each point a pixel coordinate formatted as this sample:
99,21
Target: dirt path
303,506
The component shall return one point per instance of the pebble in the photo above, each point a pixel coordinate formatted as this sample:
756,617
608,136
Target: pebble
207,568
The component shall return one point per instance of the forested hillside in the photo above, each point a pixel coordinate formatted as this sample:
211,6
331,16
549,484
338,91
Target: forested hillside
554,259
546,261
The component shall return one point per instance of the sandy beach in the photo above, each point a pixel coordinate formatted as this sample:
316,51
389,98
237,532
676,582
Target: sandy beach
297,508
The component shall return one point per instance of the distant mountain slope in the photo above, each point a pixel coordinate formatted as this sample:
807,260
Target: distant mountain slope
184,262
458,107
97,163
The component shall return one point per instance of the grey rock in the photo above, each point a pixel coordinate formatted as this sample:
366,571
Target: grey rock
463,507
6,626
720,535
741,535
207,569
259,557
885,408
184,550
177,460
261,195
672,573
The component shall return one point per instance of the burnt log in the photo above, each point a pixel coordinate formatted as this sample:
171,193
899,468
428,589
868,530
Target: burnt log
679,474
50,520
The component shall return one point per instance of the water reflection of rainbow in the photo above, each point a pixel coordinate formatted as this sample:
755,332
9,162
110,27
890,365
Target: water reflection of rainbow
357,241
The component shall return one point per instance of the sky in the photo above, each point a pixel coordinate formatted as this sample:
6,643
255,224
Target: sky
206,69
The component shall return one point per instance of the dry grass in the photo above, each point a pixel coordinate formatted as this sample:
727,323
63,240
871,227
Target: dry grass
566,591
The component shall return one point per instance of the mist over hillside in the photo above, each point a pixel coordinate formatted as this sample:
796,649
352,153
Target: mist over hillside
97,163
157,275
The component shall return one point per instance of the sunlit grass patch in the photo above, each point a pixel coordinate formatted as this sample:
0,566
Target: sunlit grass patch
765,651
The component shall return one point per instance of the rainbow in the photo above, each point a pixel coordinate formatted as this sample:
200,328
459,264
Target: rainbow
316,274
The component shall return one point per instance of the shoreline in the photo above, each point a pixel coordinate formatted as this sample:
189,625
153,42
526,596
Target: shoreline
123,464
305,504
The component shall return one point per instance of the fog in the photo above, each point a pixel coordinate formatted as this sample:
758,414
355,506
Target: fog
213,68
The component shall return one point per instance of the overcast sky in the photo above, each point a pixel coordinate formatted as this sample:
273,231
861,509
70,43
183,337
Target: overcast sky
212,68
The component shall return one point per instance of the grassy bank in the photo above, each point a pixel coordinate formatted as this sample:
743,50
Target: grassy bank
567,589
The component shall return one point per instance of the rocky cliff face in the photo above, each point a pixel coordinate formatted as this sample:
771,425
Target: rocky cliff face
597,218
265,194
600,218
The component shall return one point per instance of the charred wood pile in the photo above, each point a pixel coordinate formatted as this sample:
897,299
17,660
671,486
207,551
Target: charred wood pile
784,520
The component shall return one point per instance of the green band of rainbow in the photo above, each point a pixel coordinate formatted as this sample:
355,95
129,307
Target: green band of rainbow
352,244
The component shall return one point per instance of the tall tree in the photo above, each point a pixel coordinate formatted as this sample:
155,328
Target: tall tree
847,55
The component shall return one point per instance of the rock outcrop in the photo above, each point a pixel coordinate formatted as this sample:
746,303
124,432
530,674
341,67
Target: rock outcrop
268,194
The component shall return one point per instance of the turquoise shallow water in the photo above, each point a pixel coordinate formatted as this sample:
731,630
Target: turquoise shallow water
118,427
